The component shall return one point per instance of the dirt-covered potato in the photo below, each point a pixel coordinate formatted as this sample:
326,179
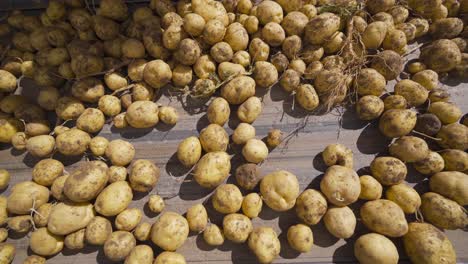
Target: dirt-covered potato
26,195
446,28
109,105
197,218
57,188
189,151
429,79
395,102
169,257
5,178
156,204
114,199
227,199
98,230
265,74
78,216
300,238
371,189
157,73
213,32
424,243
237,227
218,111
73,142
7,253
119,245
432,164
213,235
388,170
375,248
369,82
258,50
46,171
7,82
338,154
98,145
141,254
40,146
20,224
128,219
91,120
120,152
280,190
405,196
311,206
264,243
248,176
212,169
320,28
3,210
409,149
442,212
384,217
340,222
45,243
170,231
182,75
69,108
374,34
187,52
115,81
290,80
36,128
446,112
144,175
397,122
10,126
428,124
214,138
340,185
142,231
451,184
453,136
388,63
395,40
455,160
41,218
307,97
273,34
414,93
75,240
237,37
238,89
228,70
369,107
441,55
142,114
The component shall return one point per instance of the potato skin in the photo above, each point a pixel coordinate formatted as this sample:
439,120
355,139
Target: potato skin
78,216
7,253
446,112
340,185
98,230
213,235
227,199
338,154
414,93
388,170
86,182
44,243
197,218
218,111
119,245
170,231
442,212
409,149
255,150
212,169
142,231
375,248
249,110
120,152
252,205
75,240
384,217
144,175
455,159
114,199
311,206
451,184
340,222
405,196
169,257
24,195
73,142
397,122
371,189
237,227
280,190
264,243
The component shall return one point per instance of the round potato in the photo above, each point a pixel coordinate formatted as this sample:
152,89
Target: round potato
280,190
264,243
405,196
369,82
265,74
157,73
213,235
441,55
73,142
340,185
311,206
46,171
156,203
98,145
20,224
117,173
141,254
119,245
197,218
432,164
388,170
243,133
40,146
414,93
144,175
409,149
78,216
369,107
75,240
300,238
429,79
453,136
384,217
212,169
45,243
169,257
375,248
120,152
388,63
98,230
227,199
109,105
340,222
442,212
255,151
170,231
237,227
19,141
114,199
189,151
142,114
214,138
26,195
428,124
86,182
91,120
128,219
371,189
397,122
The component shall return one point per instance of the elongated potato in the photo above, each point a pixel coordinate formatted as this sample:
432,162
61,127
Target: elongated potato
409,149
446,112
264,243
26,195
405,196
114,199
374,248
78,216
197,218
397,122
442,212
451,184
189,151
45,243
311,206
371,189
86,182
384,217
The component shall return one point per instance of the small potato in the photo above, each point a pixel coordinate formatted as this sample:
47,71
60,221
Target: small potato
300,238
20,224
370,188
405,196
428,124
197,218
10,126
10,103
69,108
395,102
34,259
141,254
144,175
228,70
98,230
213,235
264,243
119,245
446,112
214,138
241,57
409,149
212,169
44,243
340,222
157,73
115,81
78,216
294,23
370,82
3,210
255,151
48,97
57,188
453,136
189,151
432,164
307,97
290,80
18,141
397,122
26,195
395,40
92,120
258,50
273,34
265,74
375,248
46,171
424,243
5,178
142,231
221,52
280,190
142,92
268,11
248,176
170,231
73,142
340,185
75,240
442,212
451,184
388,170
182,75
252,205
7,253
98,145
237,227
218,111
227,199
338,154
7,82
388,63
40,146
320,28
187,52
142,114
194,24
374,34
113,199
238,90
120,152
156,204
169,257
128,219
384,217
455,160
41,218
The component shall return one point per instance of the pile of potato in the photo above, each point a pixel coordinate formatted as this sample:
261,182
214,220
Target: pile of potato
94,65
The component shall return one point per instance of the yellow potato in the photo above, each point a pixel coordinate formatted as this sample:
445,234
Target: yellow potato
307,97
374,34
252,205
119,245
120,152
92,120
237,227
78,216
453,136
144,175
73,142
213,236
388,170
46,171
5,178
141,254
409,149
227,199
197,218
414,93
3,210
19,141
371,189
321,28
98,230
340,185
98,145
214,138
397,122
238,89
446,112
142,231
218,111
20,224
300,238
128,219
114,199
170,231
259,50
369,107
75,240
40,146
264,243
405,196
169,257
375,248
455,160
86,182
44,243
255,151
432,164
212,169
273,34
427,78
384,217
189,151
442,212
280,190
388,63
26,195
338,154
265,74
142,114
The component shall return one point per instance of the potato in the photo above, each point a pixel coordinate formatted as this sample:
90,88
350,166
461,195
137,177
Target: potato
41,217
395,102
300,238
294,23
384,217
182,75
340,222
7,253
237,227
157,73
388,63
194,24
114,199
197,218
78,216
7,82
119,245
48,98
442,212
237,37
3,210
433,163
370,188
446,28
40,146
213,31
88,89
424,243
238,90
451,184
189,151
273,34
12,102
249,110
369,82
213,236
45,243
374,34
397,122
409,149
290,81
144,175
156,203
109,105
26,195
265,74
441,55
128,219
375,248
69,108
120,152
98,145
409,30
259,50
338,154
18,141
453,136
92,120
330,82
75,240
405,196
10,126
218,111
428,124
321,28
57,188
34,259
429,79
395,40
280,190
36,127
203,88
98,230
170,19
252,205
142,231
73,142
187,52
388,170
228,70
264,243
5,178
446,112
307,97
369,107
214,138
340,185
142,114
227,199
170,231
46,171
455,160
20,224
414,93
169,257
248,176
